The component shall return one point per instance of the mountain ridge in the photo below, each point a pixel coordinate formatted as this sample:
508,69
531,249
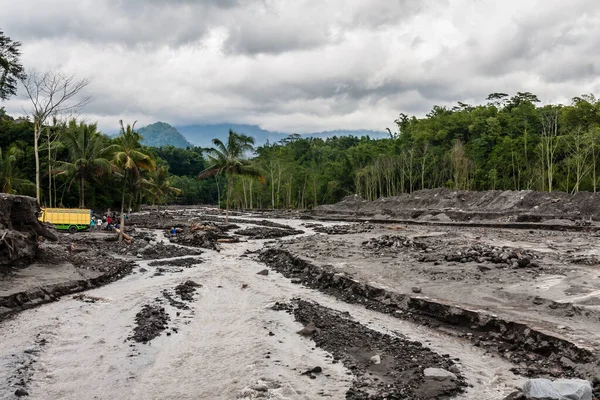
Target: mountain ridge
202,134
161,134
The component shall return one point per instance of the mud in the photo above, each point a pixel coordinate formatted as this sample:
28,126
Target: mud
267,233
161,250
396,371
535,352
185,262
488,305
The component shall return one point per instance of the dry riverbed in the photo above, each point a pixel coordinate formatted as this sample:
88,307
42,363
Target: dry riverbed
259,308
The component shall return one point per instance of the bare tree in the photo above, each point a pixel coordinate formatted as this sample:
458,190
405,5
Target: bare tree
549,144
51,93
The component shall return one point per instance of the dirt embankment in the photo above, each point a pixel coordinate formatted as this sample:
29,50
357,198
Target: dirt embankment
535,352
20,230
460,205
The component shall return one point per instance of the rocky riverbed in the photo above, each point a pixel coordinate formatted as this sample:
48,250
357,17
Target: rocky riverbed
357,311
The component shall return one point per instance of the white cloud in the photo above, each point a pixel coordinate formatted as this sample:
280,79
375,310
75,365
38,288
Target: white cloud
305,65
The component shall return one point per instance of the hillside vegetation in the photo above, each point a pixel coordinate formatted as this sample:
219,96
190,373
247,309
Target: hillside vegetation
161,134
509,143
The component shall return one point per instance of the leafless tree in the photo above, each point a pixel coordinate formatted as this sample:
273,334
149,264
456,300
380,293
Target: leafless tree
549,144
51,93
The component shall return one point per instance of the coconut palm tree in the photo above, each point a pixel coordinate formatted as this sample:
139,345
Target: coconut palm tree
157,185
130,160
226,159
9,181
87,156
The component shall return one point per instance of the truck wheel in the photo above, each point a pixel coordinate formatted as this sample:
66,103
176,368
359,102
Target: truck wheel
73,229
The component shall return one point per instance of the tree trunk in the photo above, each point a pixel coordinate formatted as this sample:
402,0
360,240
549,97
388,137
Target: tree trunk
36,135
229,187
49,171
122,223
81,193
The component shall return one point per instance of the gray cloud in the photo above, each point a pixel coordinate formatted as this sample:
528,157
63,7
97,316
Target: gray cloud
306,65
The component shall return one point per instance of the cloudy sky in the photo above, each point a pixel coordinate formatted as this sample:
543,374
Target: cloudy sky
305,65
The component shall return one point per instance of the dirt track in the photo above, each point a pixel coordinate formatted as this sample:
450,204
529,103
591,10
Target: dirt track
488,306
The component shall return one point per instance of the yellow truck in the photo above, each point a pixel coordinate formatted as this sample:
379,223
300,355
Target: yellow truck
67,219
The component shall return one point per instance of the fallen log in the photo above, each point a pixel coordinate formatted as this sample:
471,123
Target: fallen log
127,238
197,227
228,240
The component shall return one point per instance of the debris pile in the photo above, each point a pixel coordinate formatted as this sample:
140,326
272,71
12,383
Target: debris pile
206,236
267,233
20,230
391,241
161,250
344,229
150,322
493,254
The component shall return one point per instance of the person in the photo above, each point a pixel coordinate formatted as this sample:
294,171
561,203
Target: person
92,224
174,231
99,223
108,219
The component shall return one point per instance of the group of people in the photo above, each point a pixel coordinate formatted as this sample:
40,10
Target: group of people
107,222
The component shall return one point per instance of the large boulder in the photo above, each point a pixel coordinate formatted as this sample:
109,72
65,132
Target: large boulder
20,230
560,389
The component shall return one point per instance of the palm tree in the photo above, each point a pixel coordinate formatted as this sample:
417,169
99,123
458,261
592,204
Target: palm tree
129,158
9,182
227,159
87,155
157,186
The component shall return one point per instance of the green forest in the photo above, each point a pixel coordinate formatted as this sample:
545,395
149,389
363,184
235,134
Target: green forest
509,142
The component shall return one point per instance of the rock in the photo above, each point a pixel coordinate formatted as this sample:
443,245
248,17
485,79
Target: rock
308,330
21,392
560,389
516,395
416,289
567,362
523,262
439,374
454,369
191,283
483,268
260,387
263,272
376,359
315,370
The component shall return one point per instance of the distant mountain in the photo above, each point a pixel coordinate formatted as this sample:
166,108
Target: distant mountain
202,135
161,134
